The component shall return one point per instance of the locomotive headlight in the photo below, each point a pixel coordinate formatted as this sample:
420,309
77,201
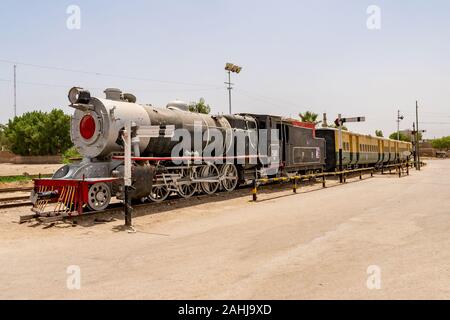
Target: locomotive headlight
79,95
87,127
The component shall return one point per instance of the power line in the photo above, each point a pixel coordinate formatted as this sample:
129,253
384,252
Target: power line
103,74
98,88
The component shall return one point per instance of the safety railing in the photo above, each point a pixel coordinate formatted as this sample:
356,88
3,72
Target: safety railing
400,169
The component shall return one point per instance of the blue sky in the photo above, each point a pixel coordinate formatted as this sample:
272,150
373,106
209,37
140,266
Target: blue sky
296,56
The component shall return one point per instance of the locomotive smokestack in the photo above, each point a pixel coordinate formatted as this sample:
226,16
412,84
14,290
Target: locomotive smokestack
324,122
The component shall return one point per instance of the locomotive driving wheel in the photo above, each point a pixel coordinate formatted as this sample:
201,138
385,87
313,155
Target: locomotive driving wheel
99,196
211,174
186,188
229,175
159,192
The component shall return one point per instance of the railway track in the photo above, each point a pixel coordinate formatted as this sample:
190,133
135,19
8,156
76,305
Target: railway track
12,202
12,190
154,207
149,208
16,201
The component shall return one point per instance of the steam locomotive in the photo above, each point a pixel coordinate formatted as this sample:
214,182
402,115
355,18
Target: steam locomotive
240,147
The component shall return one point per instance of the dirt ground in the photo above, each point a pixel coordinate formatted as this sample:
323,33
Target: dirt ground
323,244
9,169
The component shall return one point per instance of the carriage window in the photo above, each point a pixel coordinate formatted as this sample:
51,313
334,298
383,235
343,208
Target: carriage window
262,125
279,131
286,133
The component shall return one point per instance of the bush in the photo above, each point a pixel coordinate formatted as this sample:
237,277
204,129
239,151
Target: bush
4,143
71,153
200,107
442,143
39,133
403,137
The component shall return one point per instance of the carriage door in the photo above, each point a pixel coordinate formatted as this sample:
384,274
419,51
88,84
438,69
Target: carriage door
274,145
352,153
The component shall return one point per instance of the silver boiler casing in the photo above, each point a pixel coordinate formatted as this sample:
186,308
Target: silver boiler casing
110,117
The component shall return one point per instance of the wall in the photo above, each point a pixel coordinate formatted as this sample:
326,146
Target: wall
8,157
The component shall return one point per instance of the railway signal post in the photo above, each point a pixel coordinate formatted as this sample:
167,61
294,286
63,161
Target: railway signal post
339,123
127,175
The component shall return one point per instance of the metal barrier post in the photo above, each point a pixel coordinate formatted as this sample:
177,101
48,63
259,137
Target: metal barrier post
295,185
324,183
407,169
360,175
400,171
254,190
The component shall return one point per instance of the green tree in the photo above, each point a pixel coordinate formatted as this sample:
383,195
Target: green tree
379,133
200,107
4,143
403,137
310,117
441,143
39,133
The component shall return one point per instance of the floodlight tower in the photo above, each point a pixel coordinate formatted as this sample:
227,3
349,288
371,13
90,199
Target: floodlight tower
229,67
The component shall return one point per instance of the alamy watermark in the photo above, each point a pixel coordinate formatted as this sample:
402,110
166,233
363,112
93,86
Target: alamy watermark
374,19
374,280
73,281
73,21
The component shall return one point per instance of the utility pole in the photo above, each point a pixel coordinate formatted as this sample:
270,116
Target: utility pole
417,136
15,92
413,136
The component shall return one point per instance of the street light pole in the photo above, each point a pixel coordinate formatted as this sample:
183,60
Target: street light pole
229,90
231,68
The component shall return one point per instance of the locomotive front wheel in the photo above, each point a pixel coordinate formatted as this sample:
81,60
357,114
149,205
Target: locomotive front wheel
99,196
159,193
229,175
210,172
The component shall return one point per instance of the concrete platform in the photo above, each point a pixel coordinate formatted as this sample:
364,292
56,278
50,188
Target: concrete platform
313,245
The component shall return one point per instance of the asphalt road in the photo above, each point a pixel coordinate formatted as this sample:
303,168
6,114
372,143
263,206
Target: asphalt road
382,238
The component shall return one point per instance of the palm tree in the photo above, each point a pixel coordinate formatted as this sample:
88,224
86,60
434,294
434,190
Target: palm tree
379,133
310,117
